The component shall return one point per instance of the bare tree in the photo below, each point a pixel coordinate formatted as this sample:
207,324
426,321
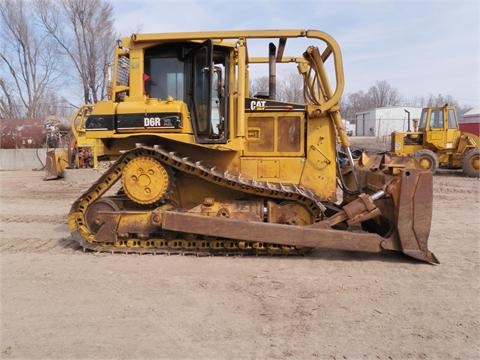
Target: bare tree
290,88
84,30
57,106
379,95
259,86
383,94
354,103
441,100
432,100
8,106
28,56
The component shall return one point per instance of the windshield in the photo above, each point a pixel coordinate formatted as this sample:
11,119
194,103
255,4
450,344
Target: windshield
165,77
452,119
423,120
436,119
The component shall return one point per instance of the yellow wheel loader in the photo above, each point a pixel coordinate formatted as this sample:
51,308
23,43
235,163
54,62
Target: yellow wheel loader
437,142
201,166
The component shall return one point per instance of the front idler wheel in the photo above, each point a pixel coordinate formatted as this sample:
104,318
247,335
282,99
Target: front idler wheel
93,215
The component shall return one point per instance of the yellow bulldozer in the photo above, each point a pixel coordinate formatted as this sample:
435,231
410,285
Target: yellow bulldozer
201,166
437,142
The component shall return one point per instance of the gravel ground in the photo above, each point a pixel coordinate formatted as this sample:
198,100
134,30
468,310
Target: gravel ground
58,302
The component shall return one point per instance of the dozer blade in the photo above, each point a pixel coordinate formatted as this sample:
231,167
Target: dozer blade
413,199
414,214
56,162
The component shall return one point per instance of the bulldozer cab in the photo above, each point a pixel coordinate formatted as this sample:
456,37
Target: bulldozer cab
194,75
189,72
440,127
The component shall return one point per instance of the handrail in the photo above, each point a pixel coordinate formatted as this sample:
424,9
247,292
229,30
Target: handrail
332,47
79,114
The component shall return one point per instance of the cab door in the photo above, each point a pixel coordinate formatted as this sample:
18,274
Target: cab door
207,92
436,129
452,133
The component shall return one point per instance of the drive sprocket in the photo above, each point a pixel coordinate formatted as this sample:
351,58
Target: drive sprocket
145,180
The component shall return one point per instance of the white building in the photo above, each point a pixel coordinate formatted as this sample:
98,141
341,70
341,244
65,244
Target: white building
349,127
385,120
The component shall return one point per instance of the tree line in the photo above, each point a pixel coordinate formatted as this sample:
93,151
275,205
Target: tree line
48,46
380,94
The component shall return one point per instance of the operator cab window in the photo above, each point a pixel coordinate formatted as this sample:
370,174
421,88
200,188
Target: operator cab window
206,94
166,78
196,74
452,119
164,73
423,120
436,119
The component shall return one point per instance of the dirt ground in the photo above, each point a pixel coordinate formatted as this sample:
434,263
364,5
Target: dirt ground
58,302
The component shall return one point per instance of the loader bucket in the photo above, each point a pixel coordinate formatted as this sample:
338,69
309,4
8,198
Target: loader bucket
414,214
56,162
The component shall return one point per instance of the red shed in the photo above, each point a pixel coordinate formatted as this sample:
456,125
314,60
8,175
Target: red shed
471,121
21,133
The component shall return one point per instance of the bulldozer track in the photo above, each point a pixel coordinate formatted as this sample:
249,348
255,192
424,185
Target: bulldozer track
180,243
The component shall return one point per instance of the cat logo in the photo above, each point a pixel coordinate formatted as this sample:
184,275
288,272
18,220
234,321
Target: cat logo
257,105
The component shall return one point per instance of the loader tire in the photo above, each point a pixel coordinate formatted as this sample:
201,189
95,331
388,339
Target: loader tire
471,163
427,160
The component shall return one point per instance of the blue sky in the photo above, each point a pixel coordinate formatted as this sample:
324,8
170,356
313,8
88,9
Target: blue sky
420,47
